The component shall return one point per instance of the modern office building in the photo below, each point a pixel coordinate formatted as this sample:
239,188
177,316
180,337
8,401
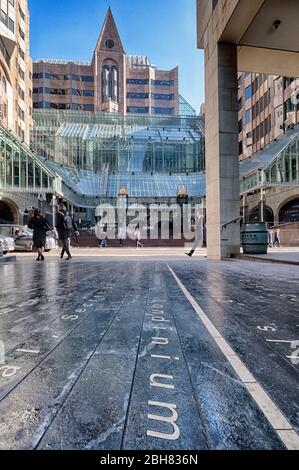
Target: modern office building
113,127
268,148
267,109
15,69
258,36
111,82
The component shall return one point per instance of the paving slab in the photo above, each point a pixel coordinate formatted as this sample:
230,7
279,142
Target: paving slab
108,353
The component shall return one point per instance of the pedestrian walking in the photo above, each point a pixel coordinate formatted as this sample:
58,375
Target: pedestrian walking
104,243
40,227
138,237
277,238
199,236
121,234
65,227
103,240
271,235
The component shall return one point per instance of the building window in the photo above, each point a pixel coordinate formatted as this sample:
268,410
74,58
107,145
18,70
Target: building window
163,82
240,147
248,92
44,105
12,2
22,53
51,76
248,116
110,83
57,105
81,107
21,93
138,96
21,73
4,52
162,97
11,25
138,110
240,125
21,134
167,111
86,78
137,81
22,14
114,83
88,93
88,107
105,83
288,81
22,34
3,17
21,113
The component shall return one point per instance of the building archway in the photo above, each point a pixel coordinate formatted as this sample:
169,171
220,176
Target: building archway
254,215
8,212
289,211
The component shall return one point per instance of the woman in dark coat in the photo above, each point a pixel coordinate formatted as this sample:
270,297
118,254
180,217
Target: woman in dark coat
40,227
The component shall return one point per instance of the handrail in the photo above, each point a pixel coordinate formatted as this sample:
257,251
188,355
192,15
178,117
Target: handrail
234,221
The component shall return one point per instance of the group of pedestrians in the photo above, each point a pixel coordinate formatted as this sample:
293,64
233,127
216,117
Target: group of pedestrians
65,226
274,238
103,242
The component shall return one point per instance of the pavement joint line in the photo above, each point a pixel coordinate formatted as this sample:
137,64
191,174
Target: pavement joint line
55,347
31,334
274,415
134,373
249,328
83,368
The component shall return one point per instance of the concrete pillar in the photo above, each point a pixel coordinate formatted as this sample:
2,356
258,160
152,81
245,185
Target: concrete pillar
222,150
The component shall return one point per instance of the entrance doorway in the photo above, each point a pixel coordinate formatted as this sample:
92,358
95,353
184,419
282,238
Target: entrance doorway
6,213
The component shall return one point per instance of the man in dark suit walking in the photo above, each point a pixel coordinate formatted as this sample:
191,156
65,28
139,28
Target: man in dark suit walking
65,227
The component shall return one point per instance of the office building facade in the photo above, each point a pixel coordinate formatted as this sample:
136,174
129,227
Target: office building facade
114,126
15,69
267,109
112,82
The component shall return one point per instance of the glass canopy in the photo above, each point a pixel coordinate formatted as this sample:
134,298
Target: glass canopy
276,165
20,171
89,142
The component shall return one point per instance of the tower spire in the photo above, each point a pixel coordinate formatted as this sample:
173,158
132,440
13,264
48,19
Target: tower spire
109,39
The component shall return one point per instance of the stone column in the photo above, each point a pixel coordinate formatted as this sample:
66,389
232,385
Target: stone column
222,149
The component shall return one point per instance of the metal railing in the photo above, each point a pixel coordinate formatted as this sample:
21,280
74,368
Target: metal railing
234,221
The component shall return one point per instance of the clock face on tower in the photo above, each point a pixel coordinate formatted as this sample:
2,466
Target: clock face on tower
109,43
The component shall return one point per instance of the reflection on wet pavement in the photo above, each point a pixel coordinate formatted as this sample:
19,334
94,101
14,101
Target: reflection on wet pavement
112,355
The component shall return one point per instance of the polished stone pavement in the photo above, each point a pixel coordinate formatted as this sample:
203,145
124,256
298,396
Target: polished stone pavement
97,350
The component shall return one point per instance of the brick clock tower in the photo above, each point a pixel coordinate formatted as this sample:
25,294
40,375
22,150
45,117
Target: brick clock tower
109,63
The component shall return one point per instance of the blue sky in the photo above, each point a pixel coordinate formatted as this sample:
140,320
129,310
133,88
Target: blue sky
164,30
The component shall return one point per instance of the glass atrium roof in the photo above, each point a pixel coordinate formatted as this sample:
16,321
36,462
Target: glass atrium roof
141,184
263,158
110,131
